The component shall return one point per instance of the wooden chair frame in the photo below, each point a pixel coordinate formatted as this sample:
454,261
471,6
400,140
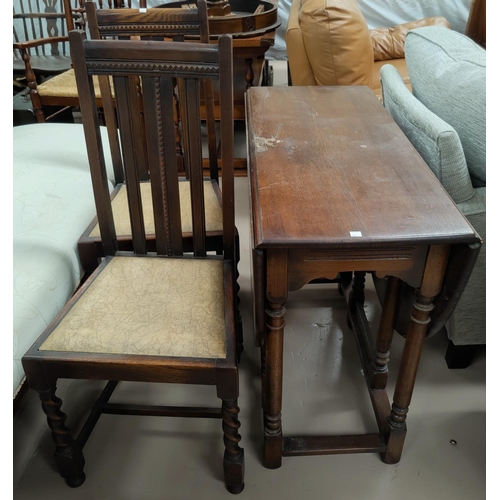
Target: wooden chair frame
158,64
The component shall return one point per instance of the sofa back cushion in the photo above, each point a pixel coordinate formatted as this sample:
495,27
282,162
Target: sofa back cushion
337,42
448,75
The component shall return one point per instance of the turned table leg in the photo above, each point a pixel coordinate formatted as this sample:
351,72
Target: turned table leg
273,436
276,294
420,318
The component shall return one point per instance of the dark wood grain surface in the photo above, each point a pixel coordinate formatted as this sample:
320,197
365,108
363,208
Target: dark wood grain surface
328,165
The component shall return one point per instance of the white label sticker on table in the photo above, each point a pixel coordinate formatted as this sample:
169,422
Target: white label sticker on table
143,10
356,234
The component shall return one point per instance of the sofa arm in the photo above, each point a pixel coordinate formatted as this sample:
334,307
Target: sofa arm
389,43
436,141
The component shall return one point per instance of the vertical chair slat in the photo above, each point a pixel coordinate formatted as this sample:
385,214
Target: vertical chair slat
209,99
170,174
227,143
159,115
191,100
211,130
93,139
130,136
181,89
40,20
107,102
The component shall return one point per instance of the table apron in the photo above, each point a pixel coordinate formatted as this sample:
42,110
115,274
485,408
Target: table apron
404,262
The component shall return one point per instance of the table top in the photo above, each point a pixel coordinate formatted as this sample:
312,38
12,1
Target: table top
329,166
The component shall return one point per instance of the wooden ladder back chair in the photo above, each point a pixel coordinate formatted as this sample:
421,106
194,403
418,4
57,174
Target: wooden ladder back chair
56,94
45,20
165,316
41,45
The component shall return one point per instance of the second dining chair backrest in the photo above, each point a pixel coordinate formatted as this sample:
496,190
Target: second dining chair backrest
159,65
166,24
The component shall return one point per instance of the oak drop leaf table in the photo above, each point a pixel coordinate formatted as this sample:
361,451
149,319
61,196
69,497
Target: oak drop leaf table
337,190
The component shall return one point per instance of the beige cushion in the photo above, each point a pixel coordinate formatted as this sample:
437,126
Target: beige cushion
337,42
148,306
213,211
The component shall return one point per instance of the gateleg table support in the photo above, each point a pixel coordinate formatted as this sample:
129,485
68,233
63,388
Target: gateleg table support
385,333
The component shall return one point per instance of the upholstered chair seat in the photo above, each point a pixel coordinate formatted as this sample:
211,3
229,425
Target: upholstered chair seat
183,300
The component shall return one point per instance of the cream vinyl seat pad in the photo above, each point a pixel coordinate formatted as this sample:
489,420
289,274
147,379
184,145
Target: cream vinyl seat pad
148,306
119,206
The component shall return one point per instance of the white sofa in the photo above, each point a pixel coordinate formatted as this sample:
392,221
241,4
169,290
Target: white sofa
53,204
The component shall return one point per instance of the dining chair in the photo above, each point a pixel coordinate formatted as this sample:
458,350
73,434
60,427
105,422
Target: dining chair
44,20
56,94
41,47
164,316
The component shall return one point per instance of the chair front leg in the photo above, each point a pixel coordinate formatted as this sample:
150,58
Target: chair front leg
234,458
68,455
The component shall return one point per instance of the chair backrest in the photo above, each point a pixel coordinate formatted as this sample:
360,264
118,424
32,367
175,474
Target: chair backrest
156,24
159,65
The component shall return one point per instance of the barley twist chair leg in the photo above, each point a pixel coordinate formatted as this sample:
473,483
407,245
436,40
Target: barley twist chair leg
68,454
234,458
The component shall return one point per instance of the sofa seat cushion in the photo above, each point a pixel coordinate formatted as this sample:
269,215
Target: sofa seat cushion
53,205
337,42
448,75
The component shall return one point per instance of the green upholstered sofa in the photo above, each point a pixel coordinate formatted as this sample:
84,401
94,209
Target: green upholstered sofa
445,119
